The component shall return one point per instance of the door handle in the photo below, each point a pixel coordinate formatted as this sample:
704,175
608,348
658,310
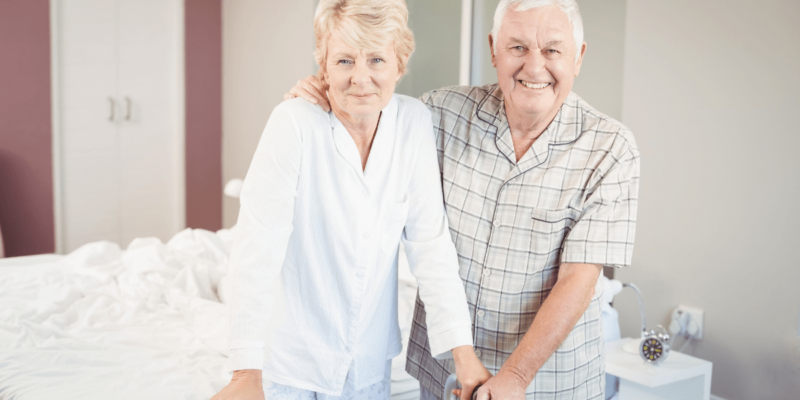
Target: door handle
127,108
113,107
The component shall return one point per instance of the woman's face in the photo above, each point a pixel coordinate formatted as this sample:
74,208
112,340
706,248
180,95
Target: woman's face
361,82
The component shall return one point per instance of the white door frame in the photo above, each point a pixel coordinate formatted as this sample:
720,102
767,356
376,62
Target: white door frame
179,178
464,70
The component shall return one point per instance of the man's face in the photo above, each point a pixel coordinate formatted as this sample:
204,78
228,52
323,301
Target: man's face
534,54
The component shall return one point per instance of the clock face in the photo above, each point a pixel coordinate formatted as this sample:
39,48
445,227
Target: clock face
652,349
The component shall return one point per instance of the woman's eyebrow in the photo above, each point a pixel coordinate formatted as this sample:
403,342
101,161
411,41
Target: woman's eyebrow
342,55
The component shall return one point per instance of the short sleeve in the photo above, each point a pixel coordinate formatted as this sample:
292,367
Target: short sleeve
605,230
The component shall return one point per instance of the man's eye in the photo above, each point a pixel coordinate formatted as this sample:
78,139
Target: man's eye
552,51
377,60
518,48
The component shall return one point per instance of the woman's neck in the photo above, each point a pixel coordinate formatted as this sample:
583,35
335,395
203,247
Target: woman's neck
362,130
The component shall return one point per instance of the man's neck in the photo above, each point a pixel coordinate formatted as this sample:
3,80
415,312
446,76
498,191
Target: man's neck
526,128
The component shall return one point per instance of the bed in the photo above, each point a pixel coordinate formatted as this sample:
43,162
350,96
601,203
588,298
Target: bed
143,322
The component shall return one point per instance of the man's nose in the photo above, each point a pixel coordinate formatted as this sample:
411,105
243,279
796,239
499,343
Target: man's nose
534,63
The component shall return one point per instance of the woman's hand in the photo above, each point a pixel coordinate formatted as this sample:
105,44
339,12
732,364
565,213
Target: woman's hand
311,90
245,385
469,370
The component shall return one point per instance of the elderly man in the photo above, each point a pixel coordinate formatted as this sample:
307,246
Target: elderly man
541,192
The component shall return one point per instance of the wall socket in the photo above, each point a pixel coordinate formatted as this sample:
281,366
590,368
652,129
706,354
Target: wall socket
696,316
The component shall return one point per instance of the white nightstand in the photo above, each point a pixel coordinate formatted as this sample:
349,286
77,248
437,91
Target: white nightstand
679,377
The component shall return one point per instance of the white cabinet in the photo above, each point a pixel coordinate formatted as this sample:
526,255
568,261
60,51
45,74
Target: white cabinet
118,119
679,377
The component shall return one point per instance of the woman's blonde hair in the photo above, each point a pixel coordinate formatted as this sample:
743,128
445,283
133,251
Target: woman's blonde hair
363,24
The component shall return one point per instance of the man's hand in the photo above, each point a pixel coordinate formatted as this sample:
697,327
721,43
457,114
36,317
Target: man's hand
469,370
245,385
311,90
503,386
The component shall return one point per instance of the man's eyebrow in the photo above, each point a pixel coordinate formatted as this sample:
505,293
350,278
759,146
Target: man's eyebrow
553,43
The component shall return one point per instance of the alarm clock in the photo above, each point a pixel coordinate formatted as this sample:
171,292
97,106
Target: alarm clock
655,345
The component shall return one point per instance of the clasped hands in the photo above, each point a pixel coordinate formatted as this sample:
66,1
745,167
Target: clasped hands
506,385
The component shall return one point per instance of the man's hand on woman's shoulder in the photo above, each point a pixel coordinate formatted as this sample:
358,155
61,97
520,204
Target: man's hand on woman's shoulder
245,385
312,90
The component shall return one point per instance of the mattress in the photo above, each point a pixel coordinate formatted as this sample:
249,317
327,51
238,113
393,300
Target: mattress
146,322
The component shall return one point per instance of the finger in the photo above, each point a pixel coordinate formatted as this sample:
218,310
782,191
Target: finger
457,392
307,96
312,79
303,93
288,96
311,88
466,393
483,394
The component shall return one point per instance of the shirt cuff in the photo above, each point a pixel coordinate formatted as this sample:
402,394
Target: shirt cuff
601,253
247,358
442,343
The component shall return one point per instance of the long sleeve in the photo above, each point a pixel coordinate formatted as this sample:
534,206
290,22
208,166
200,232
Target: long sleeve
263,231
432,256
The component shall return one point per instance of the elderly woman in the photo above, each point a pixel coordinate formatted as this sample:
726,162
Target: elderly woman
326,202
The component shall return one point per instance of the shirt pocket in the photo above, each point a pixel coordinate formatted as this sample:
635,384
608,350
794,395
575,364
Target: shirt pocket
394,221
548,230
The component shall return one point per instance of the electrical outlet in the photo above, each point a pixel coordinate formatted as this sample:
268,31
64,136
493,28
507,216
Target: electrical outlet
695,316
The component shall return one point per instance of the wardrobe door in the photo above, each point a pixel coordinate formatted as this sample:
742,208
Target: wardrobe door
87,114
150,62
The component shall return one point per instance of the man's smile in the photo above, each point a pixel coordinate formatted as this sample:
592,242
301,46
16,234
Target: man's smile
532,85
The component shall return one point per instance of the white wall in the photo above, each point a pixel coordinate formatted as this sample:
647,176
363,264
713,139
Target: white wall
712,95
266,47
600,80
437,33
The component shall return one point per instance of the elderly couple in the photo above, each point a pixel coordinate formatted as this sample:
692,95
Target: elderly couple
509,199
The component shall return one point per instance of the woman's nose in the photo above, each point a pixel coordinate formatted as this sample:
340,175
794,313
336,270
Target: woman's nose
361,74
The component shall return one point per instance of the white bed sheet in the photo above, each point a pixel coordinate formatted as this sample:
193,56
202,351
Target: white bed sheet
145,323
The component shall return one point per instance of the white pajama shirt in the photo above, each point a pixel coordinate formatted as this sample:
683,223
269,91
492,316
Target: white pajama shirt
313,270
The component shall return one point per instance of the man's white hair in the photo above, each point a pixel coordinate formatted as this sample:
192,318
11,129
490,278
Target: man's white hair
569,7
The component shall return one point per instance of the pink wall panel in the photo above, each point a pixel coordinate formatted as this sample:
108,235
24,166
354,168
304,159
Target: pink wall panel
26,178
26,169
204,114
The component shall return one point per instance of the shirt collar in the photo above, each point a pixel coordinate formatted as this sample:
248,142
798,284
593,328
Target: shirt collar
565,128
381,146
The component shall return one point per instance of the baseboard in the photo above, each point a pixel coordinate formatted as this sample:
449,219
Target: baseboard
716,398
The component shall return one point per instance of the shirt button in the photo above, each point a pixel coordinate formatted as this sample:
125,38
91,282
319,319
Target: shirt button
481,313
478,353
496,223
487,272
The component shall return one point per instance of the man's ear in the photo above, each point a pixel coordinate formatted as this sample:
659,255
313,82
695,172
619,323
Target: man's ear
580,60
491,50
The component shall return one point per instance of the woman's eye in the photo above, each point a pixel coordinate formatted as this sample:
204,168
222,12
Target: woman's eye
377,60
344,62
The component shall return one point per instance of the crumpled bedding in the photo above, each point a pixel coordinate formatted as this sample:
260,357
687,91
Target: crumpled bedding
144,323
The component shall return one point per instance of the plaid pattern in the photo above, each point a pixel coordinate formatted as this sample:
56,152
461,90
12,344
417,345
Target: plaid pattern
572,198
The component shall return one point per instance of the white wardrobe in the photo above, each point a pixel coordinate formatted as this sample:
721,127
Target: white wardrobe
118,119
